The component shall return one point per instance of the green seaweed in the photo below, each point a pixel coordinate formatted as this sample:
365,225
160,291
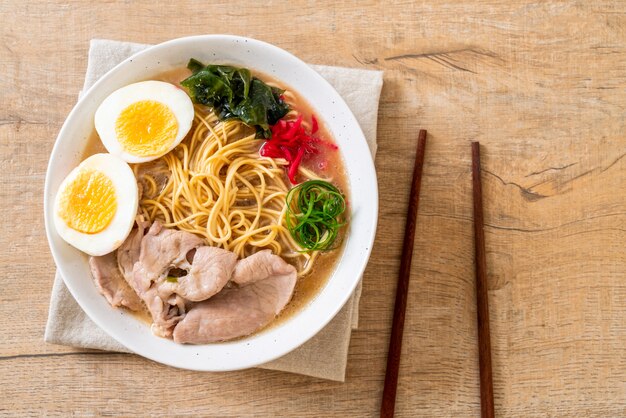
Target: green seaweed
233,93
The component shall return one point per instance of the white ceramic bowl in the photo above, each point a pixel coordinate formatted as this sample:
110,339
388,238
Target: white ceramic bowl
276,341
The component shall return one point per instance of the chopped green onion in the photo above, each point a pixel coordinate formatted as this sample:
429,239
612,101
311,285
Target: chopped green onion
315,213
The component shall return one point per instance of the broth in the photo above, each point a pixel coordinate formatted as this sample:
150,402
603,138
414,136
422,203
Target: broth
328,165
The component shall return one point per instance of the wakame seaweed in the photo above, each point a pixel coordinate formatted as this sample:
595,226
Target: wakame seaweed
233,93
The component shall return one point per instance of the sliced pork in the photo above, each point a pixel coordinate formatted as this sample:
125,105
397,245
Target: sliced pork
162,250
185,284
111,283
210,270
128,253
165,312
260,266
267,284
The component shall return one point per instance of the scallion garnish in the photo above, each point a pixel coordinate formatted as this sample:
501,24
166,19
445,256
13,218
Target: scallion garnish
315,213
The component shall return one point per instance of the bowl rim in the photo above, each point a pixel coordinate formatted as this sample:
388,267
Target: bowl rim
339,302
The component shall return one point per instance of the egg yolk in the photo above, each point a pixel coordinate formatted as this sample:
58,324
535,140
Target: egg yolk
88,203
146,128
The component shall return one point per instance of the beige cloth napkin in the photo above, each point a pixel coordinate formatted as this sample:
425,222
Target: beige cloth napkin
325,355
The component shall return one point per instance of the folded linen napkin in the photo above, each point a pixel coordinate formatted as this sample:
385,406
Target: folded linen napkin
325,355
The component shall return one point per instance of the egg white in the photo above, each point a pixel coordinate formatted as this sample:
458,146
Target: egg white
109,110
127,198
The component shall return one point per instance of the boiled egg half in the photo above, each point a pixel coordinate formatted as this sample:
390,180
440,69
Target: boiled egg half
143,121
96,205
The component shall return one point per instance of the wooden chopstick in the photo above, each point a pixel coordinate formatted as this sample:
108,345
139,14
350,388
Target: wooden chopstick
395,341
482,302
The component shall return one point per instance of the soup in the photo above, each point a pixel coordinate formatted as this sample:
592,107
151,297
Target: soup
267,198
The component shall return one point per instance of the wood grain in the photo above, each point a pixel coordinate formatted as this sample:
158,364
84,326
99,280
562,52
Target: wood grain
539,84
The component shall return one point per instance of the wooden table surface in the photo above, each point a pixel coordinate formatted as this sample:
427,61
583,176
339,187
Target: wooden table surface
542,86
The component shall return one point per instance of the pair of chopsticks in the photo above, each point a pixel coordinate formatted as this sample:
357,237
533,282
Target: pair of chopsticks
395,342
